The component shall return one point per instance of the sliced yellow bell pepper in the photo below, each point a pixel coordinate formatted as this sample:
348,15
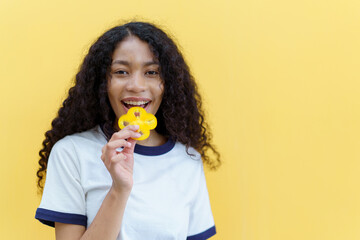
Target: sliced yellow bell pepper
138,116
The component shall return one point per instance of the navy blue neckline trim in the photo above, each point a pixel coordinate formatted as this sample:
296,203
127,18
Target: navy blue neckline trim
146,150
155,151
204,235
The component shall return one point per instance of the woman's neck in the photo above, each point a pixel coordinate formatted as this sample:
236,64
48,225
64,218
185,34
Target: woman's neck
155,139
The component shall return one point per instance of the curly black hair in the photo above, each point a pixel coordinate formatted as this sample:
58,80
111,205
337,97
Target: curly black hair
180,115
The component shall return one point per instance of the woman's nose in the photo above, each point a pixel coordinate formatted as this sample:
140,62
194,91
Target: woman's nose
136,83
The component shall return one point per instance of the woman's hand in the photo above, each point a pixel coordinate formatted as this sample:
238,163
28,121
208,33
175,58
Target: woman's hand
120,164
107,222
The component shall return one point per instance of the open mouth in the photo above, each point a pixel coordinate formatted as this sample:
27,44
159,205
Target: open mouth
130,104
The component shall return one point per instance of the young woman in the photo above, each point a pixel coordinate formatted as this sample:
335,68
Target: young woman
103,184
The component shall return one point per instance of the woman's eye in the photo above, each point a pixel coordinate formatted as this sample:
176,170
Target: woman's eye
152,73
121,72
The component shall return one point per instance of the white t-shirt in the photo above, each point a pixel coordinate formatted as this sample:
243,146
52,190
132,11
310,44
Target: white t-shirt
169,199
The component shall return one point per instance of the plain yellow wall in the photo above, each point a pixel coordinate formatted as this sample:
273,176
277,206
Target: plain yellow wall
280,82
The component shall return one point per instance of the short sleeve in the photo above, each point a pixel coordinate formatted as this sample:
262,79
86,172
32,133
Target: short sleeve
201,222
63,199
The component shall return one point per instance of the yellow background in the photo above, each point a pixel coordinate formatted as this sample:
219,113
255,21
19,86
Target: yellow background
280,82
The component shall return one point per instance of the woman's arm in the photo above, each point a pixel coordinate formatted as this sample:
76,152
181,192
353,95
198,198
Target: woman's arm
68,231
107,222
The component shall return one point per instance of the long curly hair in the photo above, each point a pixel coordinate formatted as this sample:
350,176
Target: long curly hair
180,115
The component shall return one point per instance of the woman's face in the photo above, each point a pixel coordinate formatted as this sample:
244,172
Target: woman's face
134,78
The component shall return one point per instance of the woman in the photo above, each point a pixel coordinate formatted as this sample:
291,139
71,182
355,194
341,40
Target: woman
103,184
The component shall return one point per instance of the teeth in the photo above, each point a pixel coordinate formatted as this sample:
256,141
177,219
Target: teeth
136,103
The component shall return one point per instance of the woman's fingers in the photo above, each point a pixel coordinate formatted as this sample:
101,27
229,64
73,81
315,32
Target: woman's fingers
118,141
111,146
128,132
109,149
130,149
123,161
117,158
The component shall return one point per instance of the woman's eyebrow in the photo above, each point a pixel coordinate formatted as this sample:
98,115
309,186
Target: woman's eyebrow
151,63
120,62
127,63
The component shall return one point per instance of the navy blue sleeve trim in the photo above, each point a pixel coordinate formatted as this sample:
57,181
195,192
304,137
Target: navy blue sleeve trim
204,235
49,217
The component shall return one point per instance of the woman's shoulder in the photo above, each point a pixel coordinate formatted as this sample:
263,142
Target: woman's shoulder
189,153
71,148
91,136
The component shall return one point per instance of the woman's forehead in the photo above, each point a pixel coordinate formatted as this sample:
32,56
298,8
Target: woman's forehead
133,49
